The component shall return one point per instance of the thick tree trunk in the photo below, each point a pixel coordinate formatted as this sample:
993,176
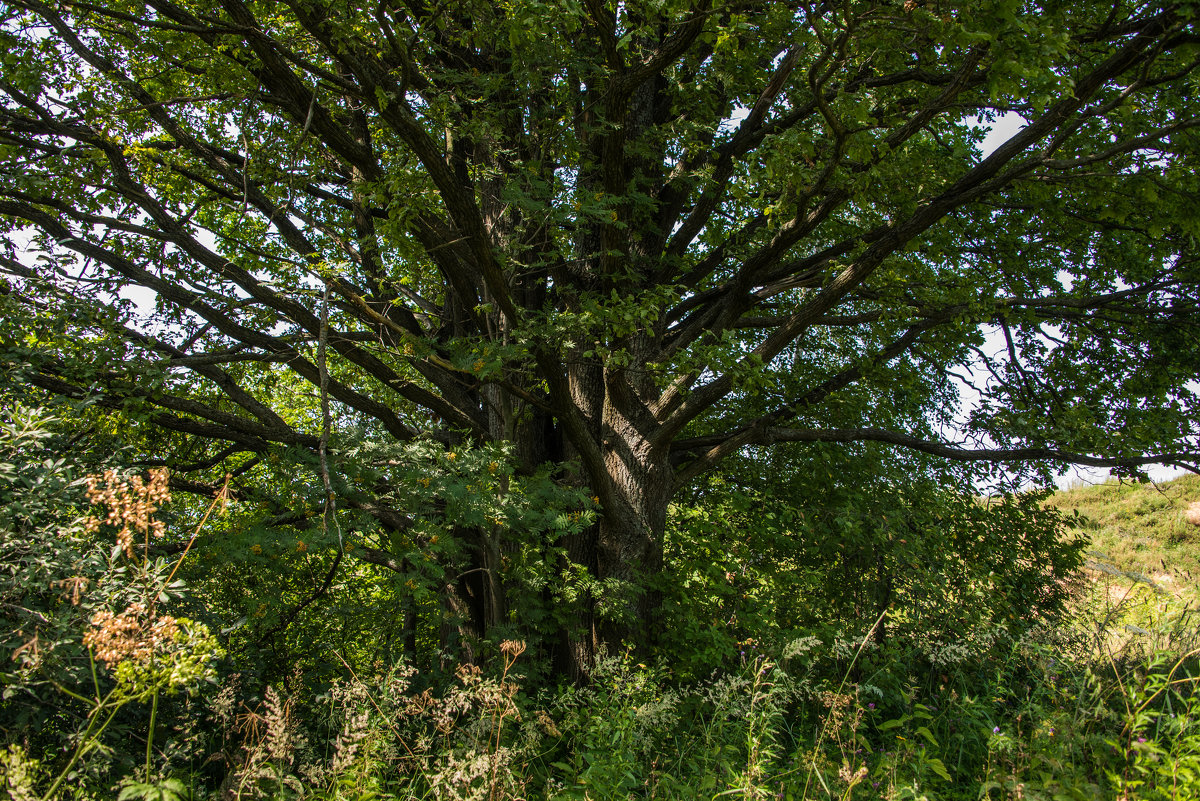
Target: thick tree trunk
625,547
624,550
576,650
630,544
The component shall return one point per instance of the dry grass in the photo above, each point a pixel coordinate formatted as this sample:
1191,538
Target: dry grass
1143,567
1140,528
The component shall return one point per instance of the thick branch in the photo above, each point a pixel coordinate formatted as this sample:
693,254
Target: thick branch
1189,460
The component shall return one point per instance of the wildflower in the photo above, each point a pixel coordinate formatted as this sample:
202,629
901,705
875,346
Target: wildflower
852,777
354,730
547,723
77,584
996,730
871,705
513,648
129,635
130,505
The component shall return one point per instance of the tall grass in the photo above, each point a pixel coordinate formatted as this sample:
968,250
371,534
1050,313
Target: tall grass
1073,713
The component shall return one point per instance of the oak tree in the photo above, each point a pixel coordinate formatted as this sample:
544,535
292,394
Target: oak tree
623,240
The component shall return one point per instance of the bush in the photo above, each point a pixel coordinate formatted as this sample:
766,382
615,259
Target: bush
83,609
952,574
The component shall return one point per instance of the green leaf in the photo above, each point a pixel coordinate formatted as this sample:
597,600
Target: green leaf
938,767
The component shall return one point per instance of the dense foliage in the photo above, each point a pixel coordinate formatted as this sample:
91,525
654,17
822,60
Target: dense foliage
473,294
981,683
584,400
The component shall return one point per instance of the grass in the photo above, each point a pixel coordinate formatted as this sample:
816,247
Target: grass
1139,528
1140,589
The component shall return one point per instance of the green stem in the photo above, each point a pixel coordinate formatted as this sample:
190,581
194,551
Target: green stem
67,691
812,768
95,678
150,734
87,740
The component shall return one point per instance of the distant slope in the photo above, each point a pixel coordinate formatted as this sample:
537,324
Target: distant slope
1140,528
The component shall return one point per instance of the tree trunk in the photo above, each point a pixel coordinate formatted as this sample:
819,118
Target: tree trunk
630,546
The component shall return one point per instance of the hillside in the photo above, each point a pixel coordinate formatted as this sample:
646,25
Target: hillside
1139,528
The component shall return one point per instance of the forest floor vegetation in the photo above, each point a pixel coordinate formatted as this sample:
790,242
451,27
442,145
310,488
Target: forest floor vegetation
1097,702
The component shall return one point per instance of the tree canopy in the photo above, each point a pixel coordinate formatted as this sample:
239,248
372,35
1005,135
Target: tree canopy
562,260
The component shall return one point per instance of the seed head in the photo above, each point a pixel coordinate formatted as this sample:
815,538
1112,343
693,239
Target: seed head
513,648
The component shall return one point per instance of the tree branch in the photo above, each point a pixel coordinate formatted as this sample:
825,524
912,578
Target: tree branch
1187,459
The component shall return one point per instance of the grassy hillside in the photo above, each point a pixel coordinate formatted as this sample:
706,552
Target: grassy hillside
1139,528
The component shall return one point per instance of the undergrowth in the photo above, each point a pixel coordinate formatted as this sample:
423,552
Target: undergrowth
121,699
1061,714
